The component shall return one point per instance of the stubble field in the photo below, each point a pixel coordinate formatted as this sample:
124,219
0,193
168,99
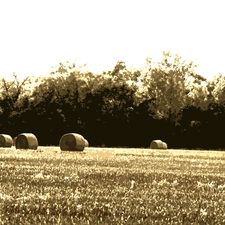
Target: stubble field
112,186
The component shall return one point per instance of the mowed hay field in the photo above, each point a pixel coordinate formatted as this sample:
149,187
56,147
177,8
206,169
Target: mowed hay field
112,186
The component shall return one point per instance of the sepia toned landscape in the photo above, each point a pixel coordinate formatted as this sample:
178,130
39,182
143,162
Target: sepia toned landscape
112,112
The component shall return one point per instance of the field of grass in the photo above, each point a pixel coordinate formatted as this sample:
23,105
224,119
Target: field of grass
112,186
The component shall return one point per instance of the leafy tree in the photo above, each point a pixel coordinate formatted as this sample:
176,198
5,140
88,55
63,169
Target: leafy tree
167,99
11,102
55,102
166,82
217,89
108,109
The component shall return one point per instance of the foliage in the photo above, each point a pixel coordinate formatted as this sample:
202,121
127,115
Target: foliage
166,84
13,95
109,107
120,107
217,89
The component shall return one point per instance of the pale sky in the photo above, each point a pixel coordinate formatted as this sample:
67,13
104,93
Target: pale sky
38,34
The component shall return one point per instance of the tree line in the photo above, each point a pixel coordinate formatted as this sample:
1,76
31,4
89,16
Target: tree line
164,100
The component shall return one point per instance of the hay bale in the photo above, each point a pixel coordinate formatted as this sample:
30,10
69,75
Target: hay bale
6,141
86,143
72,142
158,144
26,141
165,145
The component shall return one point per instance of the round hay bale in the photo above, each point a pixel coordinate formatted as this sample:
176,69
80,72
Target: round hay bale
158,144
26,141
6,141
72,142
86,143
165,146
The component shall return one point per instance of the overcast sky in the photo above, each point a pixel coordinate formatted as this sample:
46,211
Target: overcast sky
38,34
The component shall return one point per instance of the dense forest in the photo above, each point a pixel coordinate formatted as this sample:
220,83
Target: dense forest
164,100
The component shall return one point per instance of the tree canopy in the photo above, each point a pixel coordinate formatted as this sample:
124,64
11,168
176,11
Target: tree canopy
123,107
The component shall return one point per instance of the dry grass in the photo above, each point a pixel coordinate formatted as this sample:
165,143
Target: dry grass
112,186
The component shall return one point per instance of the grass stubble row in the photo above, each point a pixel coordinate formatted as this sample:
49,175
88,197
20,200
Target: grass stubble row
111,186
